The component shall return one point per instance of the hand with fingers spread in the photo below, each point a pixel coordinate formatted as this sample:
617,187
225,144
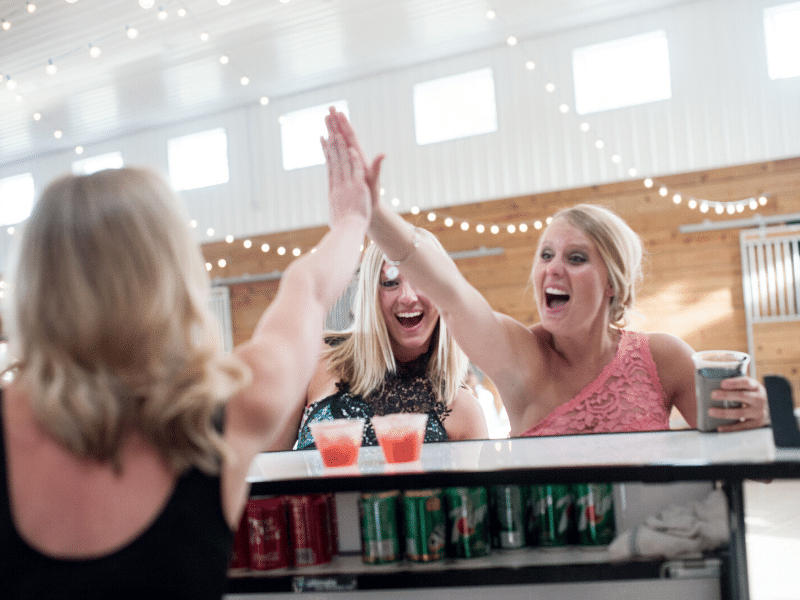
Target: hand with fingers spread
348,194
752,399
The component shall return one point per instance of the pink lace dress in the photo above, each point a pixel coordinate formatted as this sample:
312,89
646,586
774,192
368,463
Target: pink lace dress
626,396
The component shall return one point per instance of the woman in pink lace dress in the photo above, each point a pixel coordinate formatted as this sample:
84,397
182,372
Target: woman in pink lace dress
577,370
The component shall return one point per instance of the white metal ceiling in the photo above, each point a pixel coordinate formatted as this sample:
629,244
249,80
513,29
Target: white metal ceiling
168,74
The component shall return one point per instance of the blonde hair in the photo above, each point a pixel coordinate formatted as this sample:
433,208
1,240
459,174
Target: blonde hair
365,356
109,323
621,250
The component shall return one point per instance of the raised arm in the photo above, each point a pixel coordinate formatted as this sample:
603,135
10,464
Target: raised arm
492,341
283,351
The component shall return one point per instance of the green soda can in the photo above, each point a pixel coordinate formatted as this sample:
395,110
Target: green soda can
553,508
425,525
467,522
380,541
594,506
507,503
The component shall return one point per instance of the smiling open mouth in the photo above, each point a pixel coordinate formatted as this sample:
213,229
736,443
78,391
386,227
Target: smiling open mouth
410,319
555,298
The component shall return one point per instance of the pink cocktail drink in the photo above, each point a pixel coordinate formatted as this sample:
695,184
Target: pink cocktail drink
400,436
338,441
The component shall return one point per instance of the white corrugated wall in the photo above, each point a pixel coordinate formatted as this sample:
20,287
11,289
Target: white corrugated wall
724,111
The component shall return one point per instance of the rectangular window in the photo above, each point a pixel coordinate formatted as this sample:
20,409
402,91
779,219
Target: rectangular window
455,107
300,133
16,198
198,160
93,164
621,73
782,33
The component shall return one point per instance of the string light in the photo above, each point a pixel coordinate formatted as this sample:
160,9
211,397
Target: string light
31,7
162,14
50,69
94,51
6,25
131,32
143,3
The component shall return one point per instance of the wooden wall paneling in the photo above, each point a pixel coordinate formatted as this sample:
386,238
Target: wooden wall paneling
692,285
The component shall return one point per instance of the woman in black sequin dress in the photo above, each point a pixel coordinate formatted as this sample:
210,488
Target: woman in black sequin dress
396,357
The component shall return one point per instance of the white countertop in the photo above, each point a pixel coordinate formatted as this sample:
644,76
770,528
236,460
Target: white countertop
642,449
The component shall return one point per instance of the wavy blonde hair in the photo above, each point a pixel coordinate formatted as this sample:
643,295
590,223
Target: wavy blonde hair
621,250
109,323
365,356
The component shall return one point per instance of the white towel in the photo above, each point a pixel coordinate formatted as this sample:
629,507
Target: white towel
678,530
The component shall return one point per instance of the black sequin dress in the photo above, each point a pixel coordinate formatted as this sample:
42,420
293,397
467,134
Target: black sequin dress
408,390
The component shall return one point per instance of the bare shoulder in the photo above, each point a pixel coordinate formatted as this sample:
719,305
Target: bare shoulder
466,420
667,347
323,381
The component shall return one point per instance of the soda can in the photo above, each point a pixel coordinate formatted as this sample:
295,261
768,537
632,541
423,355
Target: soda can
309,525
594,506
240,555
425,525
467,522
333,524
507,504
552,509
380,539
267,528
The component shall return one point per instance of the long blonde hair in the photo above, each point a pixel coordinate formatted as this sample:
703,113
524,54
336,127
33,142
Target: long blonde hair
109,324
365,356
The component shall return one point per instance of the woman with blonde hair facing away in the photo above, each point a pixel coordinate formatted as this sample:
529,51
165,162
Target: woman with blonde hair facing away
577,370
126,434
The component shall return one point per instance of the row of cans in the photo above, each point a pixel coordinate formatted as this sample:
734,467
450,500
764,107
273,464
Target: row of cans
467,522
286,531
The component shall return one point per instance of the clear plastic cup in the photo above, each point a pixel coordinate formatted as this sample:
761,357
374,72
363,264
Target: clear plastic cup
338,441
711,367
400,436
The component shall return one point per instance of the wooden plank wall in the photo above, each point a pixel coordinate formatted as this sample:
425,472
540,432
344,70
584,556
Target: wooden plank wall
692,286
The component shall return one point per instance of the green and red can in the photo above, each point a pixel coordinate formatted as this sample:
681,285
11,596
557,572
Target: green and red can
380,539
467,522
507,503
594,506
425,525
552,508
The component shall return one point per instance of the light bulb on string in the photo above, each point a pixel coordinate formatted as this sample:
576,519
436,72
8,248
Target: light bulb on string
71,1
162,14
10,83
37,116
663,191
762,200
204,36
719,209
431,216
57,134
464,226
31,7
145,3
6,25
480,228
495,229
676,198
131,32
181,12
223,2
50,69
530,65
94,51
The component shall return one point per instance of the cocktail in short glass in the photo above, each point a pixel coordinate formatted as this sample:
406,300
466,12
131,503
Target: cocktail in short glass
338,440
400,436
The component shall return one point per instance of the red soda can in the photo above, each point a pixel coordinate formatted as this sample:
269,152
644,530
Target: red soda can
240,556
332,524
269,544
310,527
